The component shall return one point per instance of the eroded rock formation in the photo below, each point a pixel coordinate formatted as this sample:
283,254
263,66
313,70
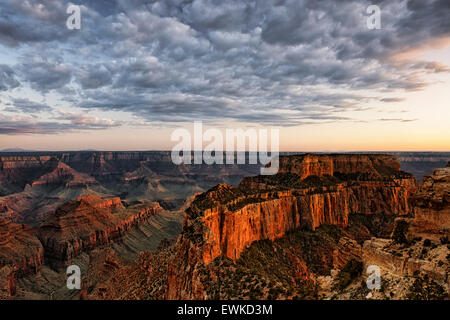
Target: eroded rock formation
21,253
372,166
86,223
33,185
432,203
309,191
270,237
267,207
65,176
420,243
20,249
393,258
346,250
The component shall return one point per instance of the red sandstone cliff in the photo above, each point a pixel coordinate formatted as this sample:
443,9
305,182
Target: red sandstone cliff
33,185
308,191
86,223
19,248
432,202
221,223
431,222
372,165
21,253
234,218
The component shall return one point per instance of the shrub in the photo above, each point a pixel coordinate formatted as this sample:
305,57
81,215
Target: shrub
424,288
399,232
427,243
350,271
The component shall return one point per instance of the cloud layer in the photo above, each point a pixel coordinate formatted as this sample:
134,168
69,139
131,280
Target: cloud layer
264,62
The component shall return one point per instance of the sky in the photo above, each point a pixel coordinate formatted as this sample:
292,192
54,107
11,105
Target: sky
137,70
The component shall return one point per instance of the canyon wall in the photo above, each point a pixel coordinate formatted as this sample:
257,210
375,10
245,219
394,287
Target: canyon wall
33,185
234,218
432,203
375,166
77,226
86,223
17,170
19,248
64,176
309,191
21,253
423,248
236,224
7,283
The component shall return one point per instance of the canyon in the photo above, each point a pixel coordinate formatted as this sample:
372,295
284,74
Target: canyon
21,254
311,203
309,191
86,223
233,235
19,248
33,185
421,243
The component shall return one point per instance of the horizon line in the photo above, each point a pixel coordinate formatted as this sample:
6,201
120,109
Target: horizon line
7,150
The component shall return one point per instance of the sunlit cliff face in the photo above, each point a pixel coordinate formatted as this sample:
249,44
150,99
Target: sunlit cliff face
136,71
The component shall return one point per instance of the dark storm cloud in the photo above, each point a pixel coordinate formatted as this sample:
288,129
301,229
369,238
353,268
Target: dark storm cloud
265,61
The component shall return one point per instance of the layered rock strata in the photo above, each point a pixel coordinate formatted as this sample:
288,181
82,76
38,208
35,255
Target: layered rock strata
432,206
21,254
309,190
20,249
64,175
233,218
347,250
421,246
86,223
